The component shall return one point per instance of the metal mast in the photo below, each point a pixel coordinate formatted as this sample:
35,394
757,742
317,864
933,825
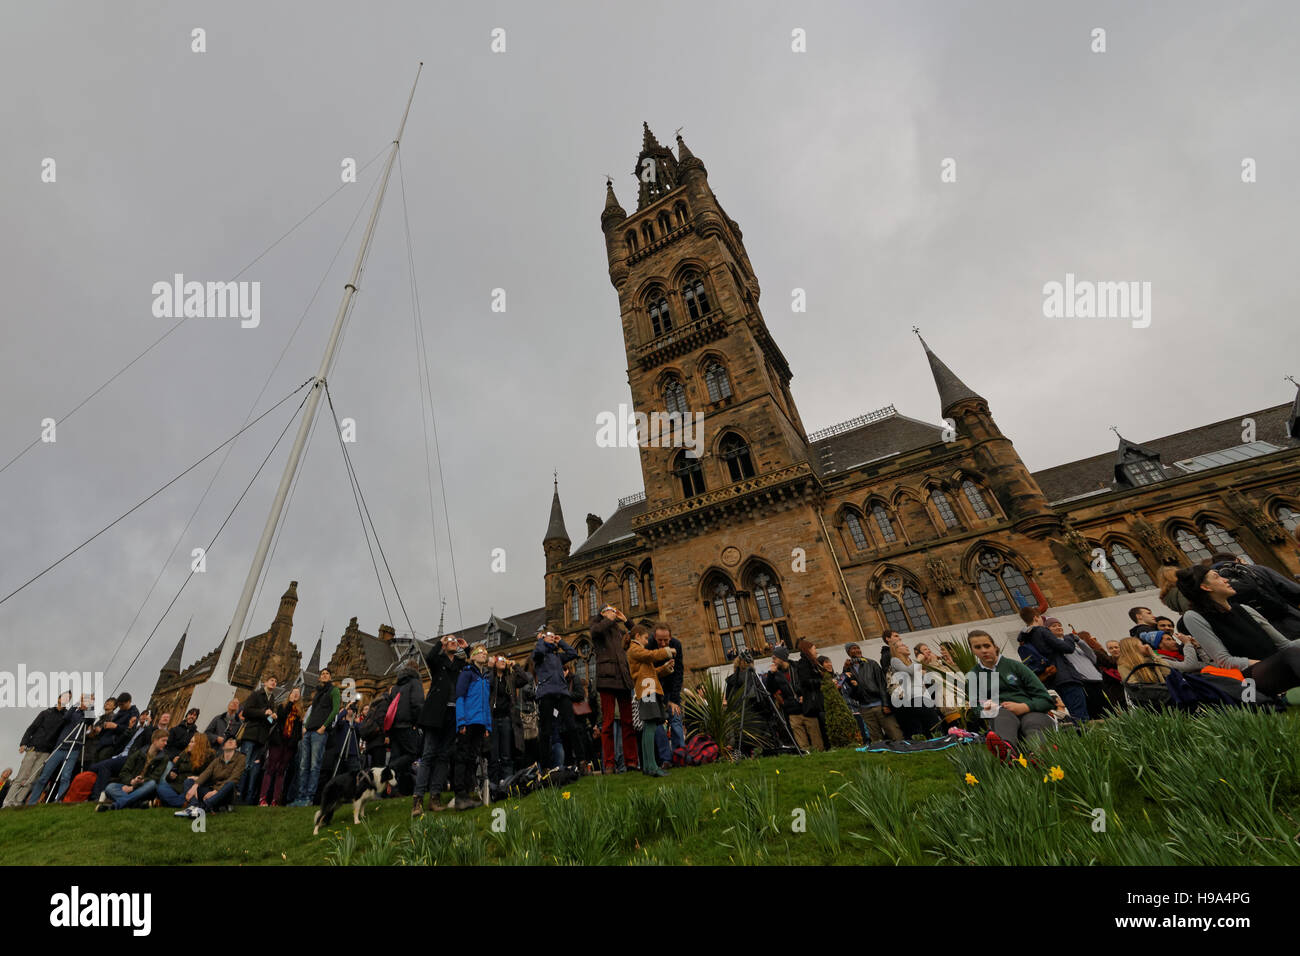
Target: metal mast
216,691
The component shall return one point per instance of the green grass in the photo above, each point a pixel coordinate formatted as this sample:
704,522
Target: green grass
1219,789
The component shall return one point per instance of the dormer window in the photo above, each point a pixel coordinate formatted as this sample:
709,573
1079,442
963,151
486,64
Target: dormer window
1144,472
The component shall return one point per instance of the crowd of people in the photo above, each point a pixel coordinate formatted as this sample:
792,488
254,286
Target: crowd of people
485,717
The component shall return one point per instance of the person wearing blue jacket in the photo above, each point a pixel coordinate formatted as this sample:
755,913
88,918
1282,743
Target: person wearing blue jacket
473,724
549,657
1056,652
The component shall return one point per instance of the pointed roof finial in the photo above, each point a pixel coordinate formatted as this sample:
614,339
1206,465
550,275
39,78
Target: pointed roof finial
555,527
174,662
951,389
648,140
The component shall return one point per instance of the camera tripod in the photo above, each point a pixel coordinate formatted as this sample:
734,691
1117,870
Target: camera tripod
76,738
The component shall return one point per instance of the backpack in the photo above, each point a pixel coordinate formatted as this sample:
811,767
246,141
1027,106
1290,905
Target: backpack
390,715
80,788
698,750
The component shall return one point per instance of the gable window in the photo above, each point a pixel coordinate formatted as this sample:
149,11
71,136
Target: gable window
1125,564
976,499
1144,471
1003,585
675,397
1289,518
735,453
687,469
944,508
726,610
771,610
1192,546
693,294
660,320
1220,540
715,377
856,532
882,521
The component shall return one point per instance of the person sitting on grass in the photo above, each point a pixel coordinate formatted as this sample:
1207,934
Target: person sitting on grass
1014,703
216,787
180,777
1236,635
1133,653
139,777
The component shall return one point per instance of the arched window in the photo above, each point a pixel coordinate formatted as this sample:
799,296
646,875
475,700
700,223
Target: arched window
593,599
693,294
1125,564
1220,540
902,605
648,576
771,609
633,592
944,508
735,453
715,377
687,469
726,610
856,532
1192,546
976,499
675,397
575,606
680,210
1003,585
630,238
647,233
1289,518
883,523
660,320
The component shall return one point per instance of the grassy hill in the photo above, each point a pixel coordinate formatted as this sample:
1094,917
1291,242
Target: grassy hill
1142,788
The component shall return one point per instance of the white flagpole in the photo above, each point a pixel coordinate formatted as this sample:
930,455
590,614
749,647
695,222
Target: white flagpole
216,691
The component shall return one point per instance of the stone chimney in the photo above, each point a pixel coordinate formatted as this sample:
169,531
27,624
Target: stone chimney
593,522
386,632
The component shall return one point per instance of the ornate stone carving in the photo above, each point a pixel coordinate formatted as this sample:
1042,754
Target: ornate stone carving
1153,541
1264,526
940,575
1075,540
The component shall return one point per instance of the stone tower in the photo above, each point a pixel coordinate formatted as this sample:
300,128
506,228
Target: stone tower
724,449
556,546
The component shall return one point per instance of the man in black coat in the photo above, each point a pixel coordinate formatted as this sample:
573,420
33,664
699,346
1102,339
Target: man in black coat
438,718
403,737
36,745
259,710
225,724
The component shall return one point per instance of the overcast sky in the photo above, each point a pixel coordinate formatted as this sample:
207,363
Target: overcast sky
1122,165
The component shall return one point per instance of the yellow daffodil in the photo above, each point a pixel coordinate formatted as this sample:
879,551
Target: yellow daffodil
970,779
1022,761
1045,779
566,794
1057,773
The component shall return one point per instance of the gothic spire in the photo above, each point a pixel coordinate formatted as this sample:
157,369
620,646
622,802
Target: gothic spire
951,389
614,211
555,529
173,664
656,169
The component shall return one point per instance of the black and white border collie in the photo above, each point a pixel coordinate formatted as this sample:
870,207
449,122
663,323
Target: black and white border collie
356,788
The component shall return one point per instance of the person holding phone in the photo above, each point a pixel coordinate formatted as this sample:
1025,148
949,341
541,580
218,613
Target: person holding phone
438,718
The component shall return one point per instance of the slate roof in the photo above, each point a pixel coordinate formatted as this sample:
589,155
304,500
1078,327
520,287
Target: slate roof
879,439
524,625
618,525
1097,472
